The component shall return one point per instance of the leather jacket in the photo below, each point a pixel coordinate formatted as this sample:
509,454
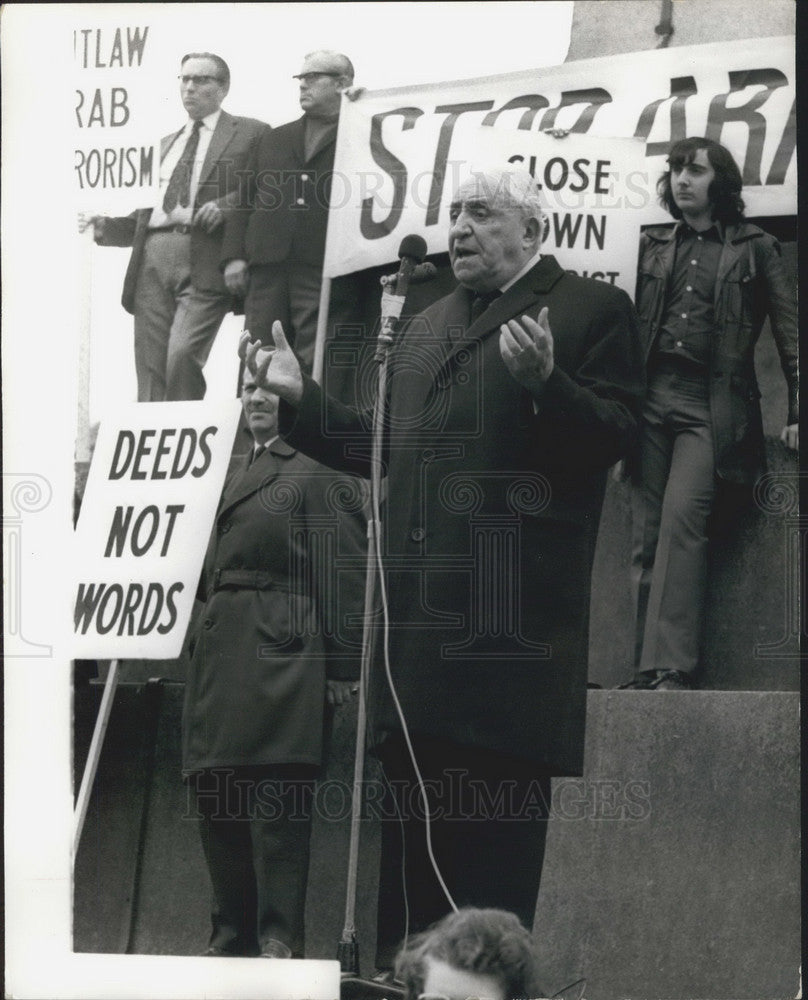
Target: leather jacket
751,284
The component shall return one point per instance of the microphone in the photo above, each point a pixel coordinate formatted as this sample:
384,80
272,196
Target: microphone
421,273
411,254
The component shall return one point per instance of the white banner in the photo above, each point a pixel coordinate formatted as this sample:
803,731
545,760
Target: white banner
400,152
152,492
116,157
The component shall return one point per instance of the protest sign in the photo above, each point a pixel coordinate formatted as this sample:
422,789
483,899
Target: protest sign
116,157
400,152
152,492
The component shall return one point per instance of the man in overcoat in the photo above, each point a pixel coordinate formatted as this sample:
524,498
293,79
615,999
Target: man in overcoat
705,287
274,242
173,285
508,401
283,573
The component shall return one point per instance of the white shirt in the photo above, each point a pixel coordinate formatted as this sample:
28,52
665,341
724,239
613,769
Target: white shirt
259,448
179,214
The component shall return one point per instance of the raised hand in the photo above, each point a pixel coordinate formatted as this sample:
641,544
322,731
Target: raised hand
274,368
526,346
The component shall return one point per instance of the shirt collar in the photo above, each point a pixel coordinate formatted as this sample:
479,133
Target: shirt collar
686,230
263,447
528,265
209,121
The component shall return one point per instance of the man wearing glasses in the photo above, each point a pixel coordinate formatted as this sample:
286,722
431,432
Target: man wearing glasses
274,243
174,285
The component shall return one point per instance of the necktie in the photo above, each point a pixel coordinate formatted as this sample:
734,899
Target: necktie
258,451
481,302
179,184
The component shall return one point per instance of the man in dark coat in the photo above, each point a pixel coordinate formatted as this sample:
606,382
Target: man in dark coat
173,285
283,572
499,432
274,242
704,289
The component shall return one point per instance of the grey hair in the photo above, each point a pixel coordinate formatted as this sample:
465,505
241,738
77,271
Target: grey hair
515,187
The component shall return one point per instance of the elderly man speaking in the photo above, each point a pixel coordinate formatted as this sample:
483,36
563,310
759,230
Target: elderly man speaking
508,400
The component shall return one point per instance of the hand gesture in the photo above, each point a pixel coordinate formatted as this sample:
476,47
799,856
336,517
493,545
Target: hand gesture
276,369
87,219
526,346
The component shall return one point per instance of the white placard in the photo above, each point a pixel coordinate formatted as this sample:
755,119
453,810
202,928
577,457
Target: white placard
116,155
154,485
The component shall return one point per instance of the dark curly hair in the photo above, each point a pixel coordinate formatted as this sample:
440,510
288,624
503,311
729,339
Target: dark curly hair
488,942
725,189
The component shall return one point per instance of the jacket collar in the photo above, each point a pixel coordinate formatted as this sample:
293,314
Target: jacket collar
539,280
737,237
253,476
733,232
222,135
299,140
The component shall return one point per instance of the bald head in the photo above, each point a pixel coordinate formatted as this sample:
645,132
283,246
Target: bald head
323,77
330,61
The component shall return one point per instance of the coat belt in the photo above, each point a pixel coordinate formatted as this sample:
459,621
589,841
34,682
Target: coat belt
249,579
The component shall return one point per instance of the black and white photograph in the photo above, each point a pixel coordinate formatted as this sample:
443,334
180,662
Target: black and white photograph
401,500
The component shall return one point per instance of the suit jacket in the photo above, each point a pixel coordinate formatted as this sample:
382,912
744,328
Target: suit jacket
222,174
284,212
751,283
283,571
494,503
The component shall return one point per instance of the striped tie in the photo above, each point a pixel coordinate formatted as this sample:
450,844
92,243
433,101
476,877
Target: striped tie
179,184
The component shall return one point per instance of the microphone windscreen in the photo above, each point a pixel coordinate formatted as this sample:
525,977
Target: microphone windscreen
413,246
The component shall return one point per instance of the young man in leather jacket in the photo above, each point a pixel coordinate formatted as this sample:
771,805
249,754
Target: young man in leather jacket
704,288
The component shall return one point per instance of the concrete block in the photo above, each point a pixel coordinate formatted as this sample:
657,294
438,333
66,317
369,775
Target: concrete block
673,868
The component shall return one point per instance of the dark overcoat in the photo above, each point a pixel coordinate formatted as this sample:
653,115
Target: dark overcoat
492,514
222,174
751,284
283,572
284,212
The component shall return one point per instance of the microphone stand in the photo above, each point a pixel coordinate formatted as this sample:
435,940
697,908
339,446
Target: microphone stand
348,949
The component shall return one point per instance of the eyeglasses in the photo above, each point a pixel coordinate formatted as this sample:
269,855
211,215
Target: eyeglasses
198,81
310,76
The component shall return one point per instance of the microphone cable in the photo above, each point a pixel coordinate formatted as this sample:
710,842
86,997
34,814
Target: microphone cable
376,522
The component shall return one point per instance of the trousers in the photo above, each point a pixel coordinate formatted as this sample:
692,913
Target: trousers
672,495
291,293
175,323
488,828
255,826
